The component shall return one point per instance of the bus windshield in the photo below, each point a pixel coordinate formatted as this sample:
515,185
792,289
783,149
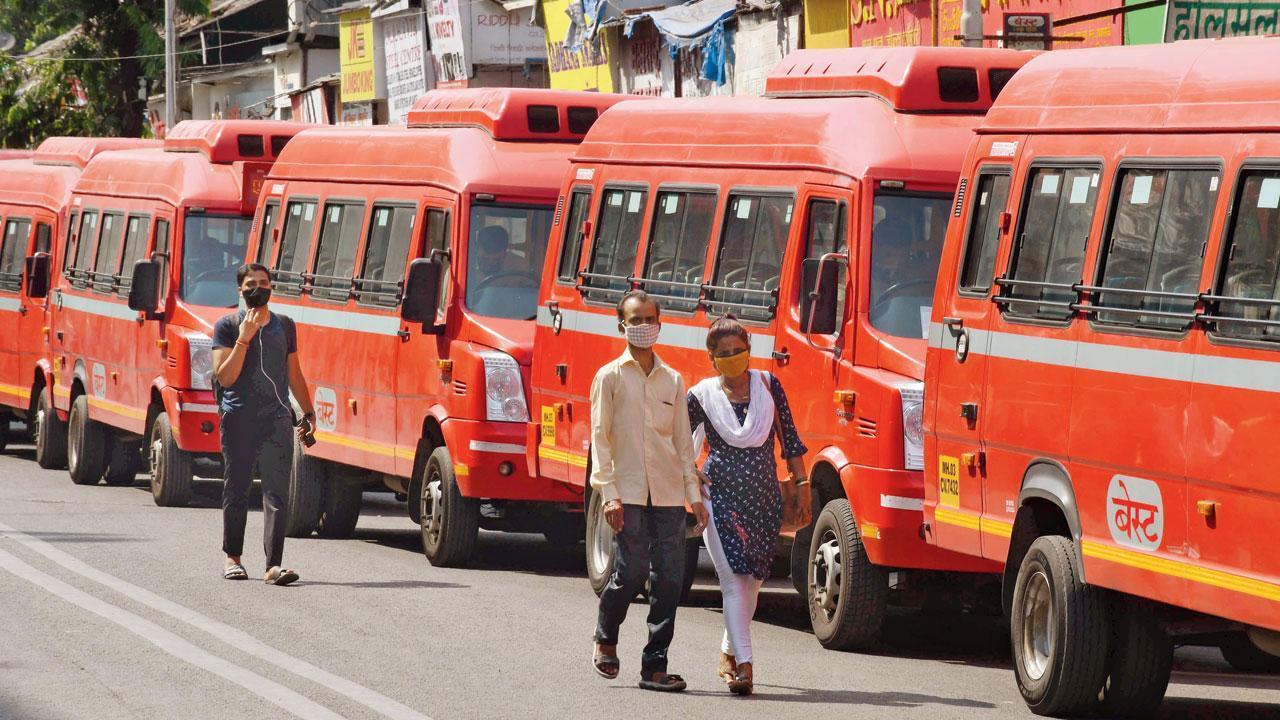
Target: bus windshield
906,241
213,248
505,249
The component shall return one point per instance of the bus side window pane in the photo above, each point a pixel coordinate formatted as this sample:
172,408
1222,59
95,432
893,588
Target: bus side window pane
70,250
265,238
1253,258
992,197
135,241
160,251
618,236
826,235
437,238
336,255
678,240
1055,226
88,234
571,248
107,261
295,246
44,238
750,256
13,252
390,231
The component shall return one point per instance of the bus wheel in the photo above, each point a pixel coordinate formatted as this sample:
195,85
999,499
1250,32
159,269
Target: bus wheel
450,522
1140,660
170,466
340,507
307,478
1059,631
86,445
124,460
800,548
1242,655
51,434
847,594
599,544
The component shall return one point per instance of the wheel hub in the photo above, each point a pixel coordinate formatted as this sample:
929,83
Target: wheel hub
432,497
826,575
1037,626
601,539
154,459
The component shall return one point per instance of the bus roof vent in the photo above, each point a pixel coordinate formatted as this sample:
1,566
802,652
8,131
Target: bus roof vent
226,141
78,151
909,79
514,113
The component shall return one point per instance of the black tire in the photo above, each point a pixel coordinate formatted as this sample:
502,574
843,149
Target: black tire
1139,662
413,500
124,460
565,530
307,480
340,507
169,466
847,595
800,548
50,434
599,543
86,445
450,522
1059,631
1242,655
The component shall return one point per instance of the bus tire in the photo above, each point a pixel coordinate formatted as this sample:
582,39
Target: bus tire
1139,661
86,445
1243,656
599,547
450,522
307,478
800,548
124,460
50,434
169,466
565,530
1059,631
847,594
340,508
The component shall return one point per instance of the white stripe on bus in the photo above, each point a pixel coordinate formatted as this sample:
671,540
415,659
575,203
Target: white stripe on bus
374,324
687,337
8,304
93,306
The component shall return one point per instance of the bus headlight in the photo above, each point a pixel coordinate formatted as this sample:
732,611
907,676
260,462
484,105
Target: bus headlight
912,425
200,352
503,389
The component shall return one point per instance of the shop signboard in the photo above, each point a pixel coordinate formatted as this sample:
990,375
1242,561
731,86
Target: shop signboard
499,37
448,46
1193,19
874,23
1027,31
403,42
356,50
588,65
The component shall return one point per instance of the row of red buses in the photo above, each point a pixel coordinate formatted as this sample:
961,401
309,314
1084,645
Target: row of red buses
1104,363
35,191
836,185
147,266
410,259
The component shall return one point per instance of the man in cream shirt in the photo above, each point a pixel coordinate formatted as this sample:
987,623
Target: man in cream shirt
642,464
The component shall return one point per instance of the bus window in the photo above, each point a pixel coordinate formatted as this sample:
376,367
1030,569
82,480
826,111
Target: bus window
212,250
1252,256
1158,232
504,259
571,248
84,248
106,264
437,234
749,262
826,234
44,238
265,240
1055,221
677,251
295,246
992,196
390,231
13,253
617,237
135,242
906,241
160,251
70,249
336,253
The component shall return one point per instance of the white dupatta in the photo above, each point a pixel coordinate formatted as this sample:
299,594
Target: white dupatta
715,405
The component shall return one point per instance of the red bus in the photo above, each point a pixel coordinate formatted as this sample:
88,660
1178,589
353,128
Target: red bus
155,238
1101,388
410,260
34,196
844,171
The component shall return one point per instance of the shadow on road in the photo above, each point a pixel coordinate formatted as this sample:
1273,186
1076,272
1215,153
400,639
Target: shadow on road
852,697
390,585
1189,709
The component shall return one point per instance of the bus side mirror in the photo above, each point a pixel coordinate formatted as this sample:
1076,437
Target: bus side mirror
422,291
38,275
821,297
144,293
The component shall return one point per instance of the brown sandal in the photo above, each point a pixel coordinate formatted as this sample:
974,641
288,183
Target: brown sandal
668,683
728,668
743,682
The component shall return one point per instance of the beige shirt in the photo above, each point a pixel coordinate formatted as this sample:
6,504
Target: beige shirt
641,445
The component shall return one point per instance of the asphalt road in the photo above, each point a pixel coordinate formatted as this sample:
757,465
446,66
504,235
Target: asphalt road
111,607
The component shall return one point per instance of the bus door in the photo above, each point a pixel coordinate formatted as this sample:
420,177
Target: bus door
32,316
147,360
13,251
149,238
955,472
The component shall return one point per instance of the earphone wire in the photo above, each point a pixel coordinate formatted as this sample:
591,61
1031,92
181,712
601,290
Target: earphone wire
275,389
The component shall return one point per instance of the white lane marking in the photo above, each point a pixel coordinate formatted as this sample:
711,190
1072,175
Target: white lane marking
272,692
236,638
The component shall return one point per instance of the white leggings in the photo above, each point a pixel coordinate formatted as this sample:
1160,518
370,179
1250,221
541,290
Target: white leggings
738,593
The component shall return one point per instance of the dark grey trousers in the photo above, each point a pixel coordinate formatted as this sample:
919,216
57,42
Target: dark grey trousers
650,547
248,439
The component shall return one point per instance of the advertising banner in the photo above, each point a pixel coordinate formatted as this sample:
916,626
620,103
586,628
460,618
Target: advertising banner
403,41
499,37
890,22
588,65
356,56
1099,32
1192,19
448,46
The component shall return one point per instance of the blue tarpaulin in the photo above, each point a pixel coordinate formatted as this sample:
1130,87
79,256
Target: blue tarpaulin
700,22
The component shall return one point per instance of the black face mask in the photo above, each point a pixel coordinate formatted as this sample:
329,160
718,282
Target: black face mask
256,297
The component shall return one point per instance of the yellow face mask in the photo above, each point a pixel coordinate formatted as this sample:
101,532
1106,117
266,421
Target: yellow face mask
734,365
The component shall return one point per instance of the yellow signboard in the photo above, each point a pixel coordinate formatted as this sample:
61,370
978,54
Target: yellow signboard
356,56
588,68
826,23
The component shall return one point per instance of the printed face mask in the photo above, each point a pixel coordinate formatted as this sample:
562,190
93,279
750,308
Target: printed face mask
256,297
642,336
733,365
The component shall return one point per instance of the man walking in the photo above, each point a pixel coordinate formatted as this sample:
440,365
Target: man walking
642,461
255,361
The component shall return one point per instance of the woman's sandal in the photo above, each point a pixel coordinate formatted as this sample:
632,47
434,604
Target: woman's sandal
668,683
728,668
280,576
607,666
235,572
743,682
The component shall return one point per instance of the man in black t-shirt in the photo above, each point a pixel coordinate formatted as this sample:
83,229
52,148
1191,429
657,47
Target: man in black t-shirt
255,360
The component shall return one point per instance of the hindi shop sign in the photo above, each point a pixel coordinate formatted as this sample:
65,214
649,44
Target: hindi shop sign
1028,31
499,37
402,44
356,52
1191,19
448,47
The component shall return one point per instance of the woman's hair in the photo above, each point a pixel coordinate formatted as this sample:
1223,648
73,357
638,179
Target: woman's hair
723,327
